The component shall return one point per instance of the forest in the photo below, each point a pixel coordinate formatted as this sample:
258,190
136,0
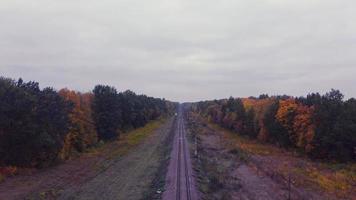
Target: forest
39,127
320,126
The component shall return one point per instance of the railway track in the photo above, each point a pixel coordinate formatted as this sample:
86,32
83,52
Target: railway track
185,152
178,188
180,181
182,163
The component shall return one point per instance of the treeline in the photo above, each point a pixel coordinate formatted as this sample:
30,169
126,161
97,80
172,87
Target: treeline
321,126
41,126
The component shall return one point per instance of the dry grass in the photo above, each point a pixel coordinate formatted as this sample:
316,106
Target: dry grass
246,144
339,179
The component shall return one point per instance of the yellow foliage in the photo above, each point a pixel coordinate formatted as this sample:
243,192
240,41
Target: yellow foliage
286,112
82,133
260,106
304,128
297,119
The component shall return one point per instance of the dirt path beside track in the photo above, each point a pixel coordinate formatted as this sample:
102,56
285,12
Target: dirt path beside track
128,174
129,178
225,171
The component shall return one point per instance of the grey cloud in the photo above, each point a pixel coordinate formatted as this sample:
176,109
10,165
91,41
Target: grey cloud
182,50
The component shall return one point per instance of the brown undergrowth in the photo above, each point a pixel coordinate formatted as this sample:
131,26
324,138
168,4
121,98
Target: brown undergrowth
213,165
334,179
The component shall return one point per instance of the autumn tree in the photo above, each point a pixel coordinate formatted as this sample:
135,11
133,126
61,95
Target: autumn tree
276,132
322,126
285,115
304,128
82,133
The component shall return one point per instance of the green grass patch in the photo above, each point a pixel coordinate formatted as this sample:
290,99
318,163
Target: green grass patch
132,138
114,150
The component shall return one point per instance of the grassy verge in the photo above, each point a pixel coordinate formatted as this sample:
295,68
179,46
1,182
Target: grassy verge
133,138
157,185
114,150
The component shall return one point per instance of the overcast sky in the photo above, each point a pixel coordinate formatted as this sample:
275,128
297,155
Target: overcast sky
183,50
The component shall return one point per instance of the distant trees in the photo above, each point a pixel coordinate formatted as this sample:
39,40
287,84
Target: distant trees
263,96
115,112
39,126
139,109
321,126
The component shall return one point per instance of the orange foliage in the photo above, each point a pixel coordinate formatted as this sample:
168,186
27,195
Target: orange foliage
285,115
297,119
82,132
260,106
304,127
